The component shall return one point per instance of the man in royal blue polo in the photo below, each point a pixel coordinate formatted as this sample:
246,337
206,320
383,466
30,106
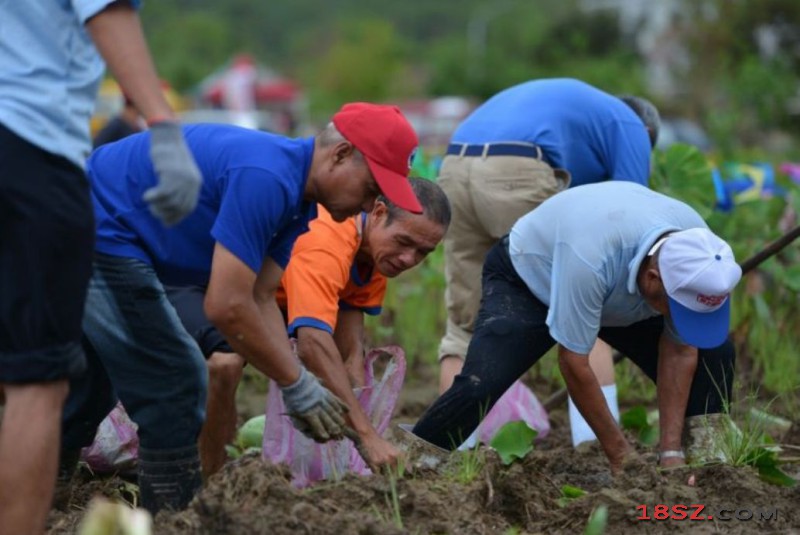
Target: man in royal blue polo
259,192
517,149
614,261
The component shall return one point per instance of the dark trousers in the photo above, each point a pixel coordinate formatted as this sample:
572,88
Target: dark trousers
137,351
511,336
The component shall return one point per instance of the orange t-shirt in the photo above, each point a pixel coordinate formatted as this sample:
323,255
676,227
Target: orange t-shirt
323,276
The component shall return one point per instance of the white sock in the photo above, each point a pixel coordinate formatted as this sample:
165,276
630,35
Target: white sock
581,432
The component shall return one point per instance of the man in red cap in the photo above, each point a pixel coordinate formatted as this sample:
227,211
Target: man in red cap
259,192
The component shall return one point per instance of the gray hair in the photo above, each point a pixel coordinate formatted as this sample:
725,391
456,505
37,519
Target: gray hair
435,205
331,136
647,112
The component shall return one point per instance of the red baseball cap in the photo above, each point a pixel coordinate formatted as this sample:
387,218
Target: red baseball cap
388,142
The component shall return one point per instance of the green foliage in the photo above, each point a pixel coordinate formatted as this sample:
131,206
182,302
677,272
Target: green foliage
569,493
513,441
249,438
467,465
763,318
768,466
597,521
251,434
639,421
682,171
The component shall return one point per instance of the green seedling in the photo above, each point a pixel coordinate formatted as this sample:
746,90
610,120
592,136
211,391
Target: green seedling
641,422
248,439
597,521
768,466
251,434
513,441
569,493
469,464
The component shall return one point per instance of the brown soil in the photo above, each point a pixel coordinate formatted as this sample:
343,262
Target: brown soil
249,496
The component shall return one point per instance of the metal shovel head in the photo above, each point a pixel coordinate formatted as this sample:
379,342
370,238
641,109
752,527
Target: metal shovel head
408,428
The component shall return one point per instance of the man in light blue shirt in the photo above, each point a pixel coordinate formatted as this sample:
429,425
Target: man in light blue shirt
613,260
50,69
523,145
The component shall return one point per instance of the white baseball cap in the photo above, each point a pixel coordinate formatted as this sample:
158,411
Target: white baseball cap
699,273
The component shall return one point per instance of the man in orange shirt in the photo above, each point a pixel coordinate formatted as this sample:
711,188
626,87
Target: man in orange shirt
337,273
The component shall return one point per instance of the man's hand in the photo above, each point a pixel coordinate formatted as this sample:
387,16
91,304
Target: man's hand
617,455
314,410
376,451
179,179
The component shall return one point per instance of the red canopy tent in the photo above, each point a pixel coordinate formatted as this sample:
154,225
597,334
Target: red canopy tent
269,86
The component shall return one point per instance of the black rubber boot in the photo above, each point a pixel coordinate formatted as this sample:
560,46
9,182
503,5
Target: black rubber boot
67,465
168,479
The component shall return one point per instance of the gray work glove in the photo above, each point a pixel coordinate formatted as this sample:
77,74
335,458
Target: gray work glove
179,179
314,410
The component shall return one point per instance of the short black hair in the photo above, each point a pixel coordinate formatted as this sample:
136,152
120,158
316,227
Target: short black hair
647,112
435,205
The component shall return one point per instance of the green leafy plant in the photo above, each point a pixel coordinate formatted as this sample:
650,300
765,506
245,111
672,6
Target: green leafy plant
569,493
249,437
638,420
467,465
597,521
513,441
748,444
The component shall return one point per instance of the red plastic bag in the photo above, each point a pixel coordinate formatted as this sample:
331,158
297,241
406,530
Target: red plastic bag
116,444
309,461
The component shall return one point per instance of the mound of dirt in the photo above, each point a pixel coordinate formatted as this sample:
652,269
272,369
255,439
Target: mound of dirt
250,496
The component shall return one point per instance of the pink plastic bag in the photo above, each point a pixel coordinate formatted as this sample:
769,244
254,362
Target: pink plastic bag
309,461
116,444
518,403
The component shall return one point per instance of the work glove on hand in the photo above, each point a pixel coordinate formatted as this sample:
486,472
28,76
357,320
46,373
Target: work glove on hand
314,410
179,179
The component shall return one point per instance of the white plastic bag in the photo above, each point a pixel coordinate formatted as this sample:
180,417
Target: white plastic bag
116,444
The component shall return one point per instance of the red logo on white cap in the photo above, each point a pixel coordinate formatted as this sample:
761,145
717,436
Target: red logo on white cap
711,300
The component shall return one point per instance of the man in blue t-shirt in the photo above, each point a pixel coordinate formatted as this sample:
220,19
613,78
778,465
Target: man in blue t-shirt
517,149
614,261
258,194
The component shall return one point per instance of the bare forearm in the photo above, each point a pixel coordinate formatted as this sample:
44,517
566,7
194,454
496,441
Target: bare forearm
676,368
117,34
349,339
585,391
319,353
259,335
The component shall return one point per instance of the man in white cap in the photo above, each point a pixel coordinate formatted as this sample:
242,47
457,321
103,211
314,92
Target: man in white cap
617,261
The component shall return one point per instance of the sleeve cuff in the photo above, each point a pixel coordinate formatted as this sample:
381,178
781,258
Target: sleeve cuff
308,322
370,311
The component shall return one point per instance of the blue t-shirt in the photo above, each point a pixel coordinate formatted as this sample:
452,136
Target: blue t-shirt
251,201
593,135
50,72
579,253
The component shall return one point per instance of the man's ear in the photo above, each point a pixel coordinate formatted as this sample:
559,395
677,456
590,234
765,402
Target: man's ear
379,211
652,278
342,151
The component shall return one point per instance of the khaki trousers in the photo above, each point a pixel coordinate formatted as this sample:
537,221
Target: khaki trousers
487,196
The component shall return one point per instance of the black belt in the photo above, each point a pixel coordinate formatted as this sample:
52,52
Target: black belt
527,150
